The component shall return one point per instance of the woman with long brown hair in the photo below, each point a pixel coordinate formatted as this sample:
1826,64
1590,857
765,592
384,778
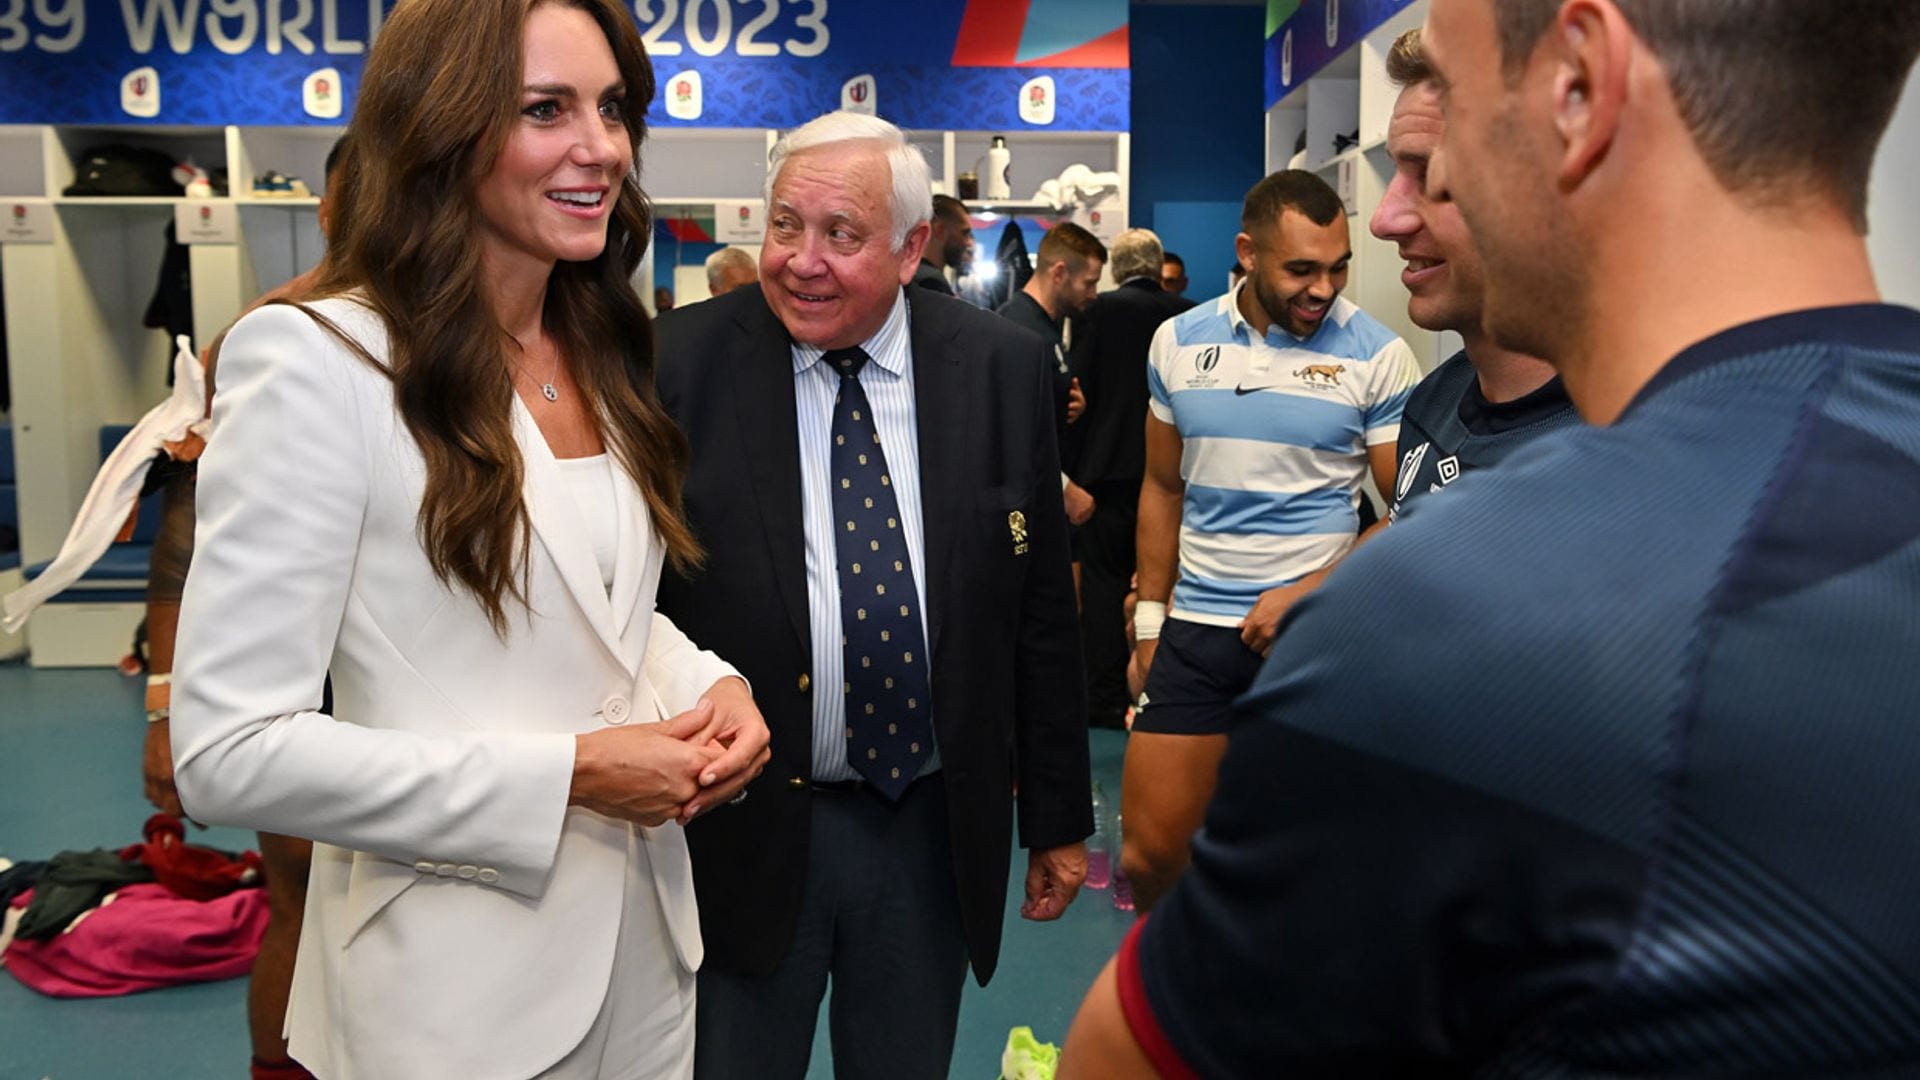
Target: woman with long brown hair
444,476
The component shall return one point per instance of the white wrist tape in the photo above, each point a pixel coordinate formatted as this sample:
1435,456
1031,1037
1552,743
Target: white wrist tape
1147,617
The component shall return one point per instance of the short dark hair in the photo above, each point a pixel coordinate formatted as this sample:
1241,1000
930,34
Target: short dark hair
1170,257
950,208
1778,94
1407,63
1071,244
1290,189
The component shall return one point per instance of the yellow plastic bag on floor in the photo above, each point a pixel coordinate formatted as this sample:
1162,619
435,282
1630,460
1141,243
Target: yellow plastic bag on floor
1027,1058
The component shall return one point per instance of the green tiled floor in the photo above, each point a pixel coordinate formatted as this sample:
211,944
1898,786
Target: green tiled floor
70,778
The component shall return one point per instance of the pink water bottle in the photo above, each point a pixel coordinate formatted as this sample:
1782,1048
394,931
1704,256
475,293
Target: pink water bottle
1099,845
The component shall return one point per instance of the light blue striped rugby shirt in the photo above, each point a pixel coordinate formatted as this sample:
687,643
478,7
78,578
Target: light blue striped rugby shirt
1275,433
888,381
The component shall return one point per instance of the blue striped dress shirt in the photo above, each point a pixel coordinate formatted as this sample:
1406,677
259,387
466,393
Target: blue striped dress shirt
888,381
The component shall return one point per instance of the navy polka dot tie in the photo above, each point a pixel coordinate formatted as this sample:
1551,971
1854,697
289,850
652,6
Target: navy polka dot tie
888,733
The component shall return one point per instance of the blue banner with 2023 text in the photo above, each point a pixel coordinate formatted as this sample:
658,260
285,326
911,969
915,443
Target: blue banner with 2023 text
932,64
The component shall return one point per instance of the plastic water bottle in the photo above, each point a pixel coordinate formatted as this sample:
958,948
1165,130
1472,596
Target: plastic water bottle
1099,845
996,180
1122,888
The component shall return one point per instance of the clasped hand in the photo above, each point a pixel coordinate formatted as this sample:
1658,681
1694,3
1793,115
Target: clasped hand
677,769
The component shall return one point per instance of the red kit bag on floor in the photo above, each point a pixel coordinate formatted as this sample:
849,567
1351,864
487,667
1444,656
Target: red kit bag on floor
192,871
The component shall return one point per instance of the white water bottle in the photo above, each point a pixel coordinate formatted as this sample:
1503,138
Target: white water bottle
995,181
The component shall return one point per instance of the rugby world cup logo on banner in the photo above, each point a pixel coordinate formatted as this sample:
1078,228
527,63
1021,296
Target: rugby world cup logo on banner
140,93
860,94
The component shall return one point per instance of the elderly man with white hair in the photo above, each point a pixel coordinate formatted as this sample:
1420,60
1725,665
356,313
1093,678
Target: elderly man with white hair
874,477
728,269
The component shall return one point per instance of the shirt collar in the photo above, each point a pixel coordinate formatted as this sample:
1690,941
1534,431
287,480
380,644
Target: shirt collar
1278,336
887,349
1860,326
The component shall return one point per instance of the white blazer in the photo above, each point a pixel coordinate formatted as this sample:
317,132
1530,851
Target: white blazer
461,918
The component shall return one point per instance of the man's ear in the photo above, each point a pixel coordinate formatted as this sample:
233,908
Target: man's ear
1592,54
911,251
1243,250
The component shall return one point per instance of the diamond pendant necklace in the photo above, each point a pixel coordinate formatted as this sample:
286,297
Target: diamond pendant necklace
546,388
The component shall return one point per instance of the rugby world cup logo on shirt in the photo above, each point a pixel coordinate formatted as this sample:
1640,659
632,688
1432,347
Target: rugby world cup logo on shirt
1204,362
1410,467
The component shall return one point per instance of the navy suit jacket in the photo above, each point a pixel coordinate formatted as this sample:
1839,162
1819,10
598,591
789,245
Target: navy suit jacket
1008,697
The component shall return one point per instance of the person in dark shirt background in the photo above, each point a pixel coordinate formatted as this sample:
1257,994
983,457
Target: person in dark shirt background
1621,787
1486,400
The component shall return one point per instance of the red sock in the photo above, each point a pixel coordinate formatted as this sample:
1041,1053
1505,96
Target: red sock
284,1069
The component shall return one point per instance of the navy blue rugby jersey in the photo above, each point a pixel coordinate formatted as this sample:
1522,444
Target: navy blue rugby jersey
1638,796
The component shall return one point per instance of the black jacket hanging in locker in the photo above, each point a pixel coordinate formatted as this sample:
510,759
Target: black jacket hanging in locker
1015,266
171,308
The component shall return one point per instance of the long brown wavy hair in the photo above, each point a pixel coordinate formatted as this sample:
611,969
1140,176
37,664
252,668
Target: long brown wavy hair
439,97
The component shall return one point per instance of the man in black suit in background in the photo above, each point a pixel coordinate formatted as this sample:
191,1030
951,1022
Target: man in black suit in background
1066,278
874,477
1110,360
